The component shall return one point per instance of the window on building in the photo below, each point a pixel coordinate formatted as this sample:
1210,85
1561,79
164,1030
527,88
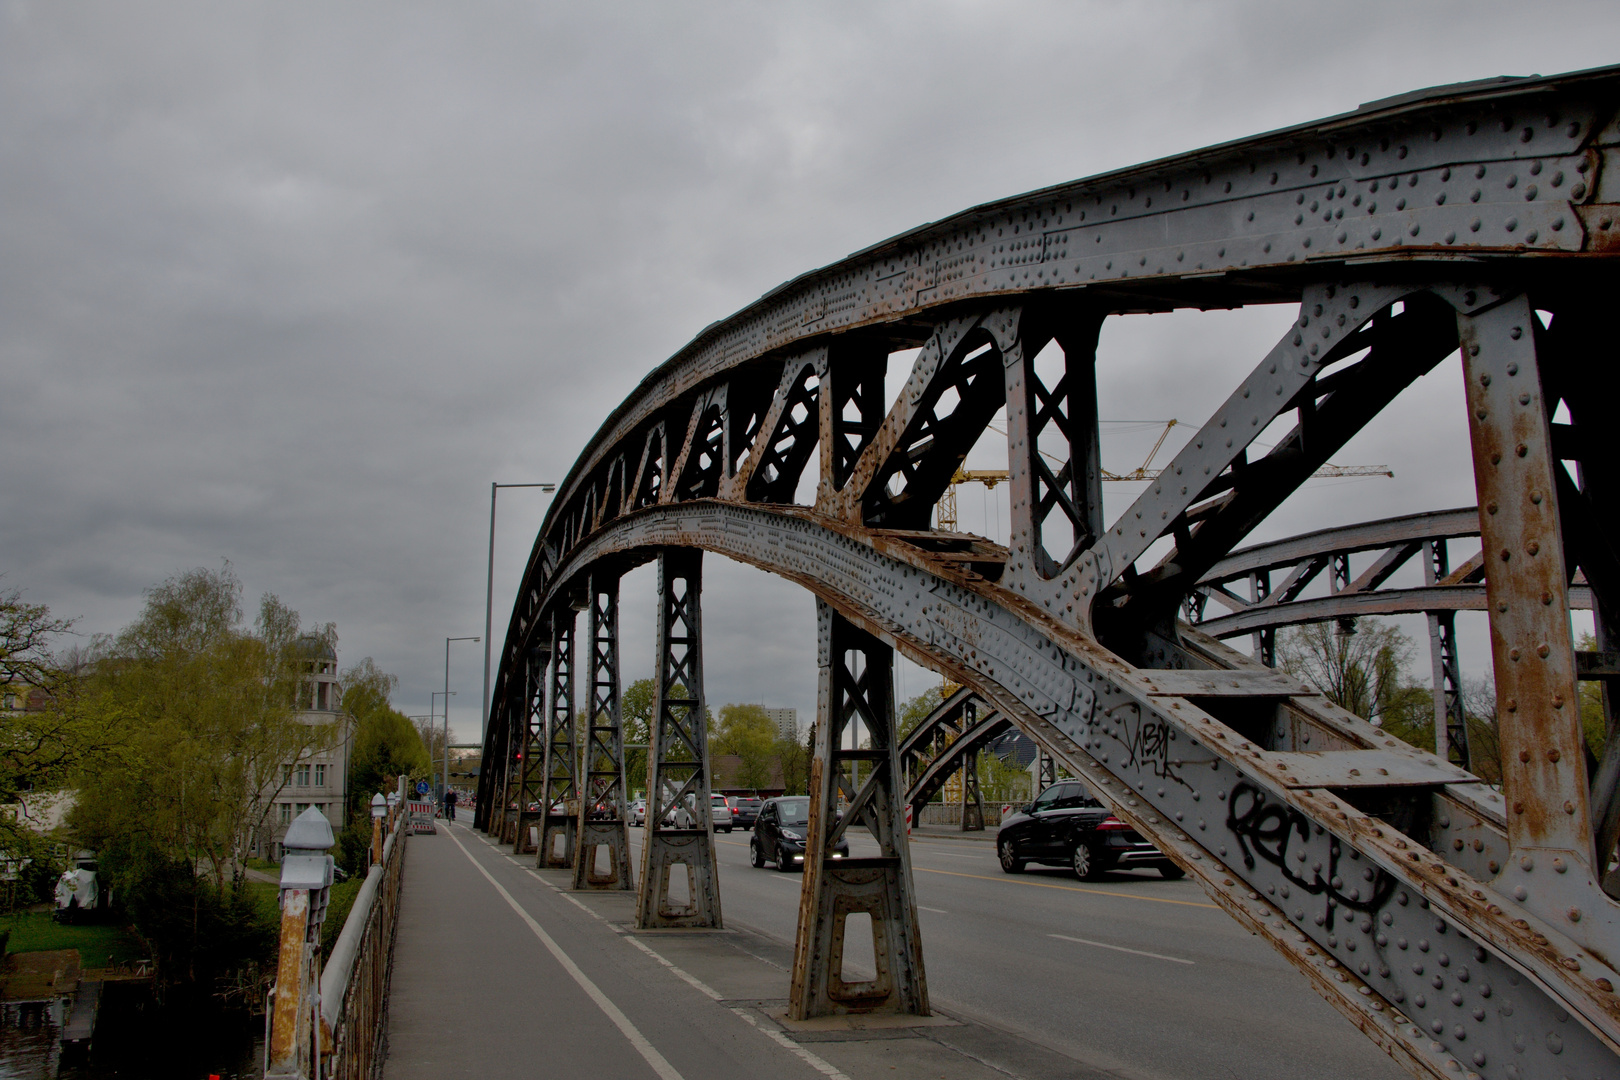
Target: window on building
303,776
322,696
302,807
286,775
284,813
320,775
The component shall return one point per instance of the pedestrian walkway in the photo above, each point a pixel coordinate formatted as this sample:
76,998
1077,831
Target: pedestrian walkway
501,971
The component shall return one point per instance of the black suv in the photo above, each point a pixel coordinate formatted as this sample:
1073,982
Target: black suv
779,834
1067,826
744,811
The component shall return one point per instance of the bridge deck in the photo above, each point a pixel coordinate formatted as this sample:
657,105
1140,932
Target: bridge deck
478,993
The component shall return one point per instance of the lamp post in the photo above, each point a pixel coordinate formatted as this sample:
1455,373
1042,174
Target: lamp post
489,587
432,716
447,642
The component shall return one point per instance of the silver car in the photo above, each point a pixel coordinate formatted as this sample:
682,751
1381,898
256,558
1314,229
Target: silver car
720,810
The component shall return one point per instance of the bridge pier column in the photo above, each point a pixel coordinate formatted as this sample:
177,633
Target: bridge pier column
561,768
856,681
678,760
602,809
529,755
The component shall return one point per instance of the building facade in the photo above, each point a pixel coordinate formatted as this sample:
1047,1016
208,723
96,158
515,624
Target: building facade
786,721
319,777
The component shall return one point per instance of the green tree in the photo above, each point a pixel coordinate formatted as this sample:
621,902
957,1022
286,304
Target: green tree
200,716
915,710
746,731
1360,671
636,705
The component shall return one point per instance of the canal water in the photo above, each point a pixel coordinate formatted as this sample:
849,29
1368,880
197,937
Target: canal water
135,1039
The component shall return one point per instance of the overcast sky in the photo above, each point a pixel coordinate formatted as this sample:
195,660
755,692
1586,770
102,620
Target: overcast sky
290,284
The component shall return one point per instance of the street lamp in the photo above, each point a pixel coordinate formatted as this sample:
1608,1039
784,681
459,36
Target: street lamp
447,642
433,714
489,587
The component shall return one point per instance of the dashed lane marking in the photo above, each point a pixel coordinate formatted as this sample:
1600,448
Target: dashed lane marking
1067,888
1120,948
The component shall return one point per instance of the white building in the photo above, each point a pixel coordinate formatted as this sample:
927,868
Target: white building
319,777
786,721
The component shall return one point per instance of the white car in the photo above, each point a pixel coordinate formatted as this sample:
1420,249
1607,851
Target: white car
638,812
720,811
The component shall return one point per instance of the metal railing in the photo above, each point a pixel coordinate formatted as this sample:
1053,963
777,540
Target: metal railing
354,984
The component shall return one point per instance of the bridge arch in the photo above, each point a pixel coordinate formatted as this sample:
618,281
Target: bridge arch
1471,221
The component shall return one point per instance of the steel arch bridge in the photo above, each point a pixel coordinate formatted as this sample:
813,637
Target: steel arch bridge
1464,930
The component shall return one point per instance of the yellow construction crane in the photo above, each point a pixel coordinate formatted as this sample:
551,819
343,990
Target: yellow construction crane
1145,471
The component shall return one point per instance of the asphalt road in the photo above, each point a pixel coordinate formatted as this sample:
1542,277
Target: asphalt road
1133,974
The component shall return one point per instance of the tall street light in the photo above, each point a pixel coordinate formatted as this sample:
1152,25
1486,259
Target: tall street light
489,588
433,714
447,642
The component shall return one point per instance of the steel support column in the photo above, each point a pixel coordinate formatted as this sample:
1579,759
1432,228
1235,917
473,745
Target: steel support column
972,800
603,821
558,821
856,682
529,756
679,828
1549,827
1450,718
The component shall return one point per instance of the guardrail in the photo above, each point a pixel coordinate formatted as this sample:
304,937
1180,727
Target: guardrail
354,984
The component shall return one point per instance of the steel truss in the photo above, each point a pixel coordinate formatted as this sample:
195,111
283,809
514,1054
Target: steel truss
530,752
1464,931
856,684
680,827
559,821
604,810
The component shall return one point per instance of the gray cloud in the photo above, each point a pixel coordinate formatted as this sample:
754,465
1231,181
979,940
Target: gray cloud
291,283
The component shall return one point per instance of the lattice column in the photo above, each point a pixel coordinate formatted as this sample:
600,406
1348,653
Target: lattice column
558,821
1047,768
678,759
603,821
528,756
855,681
972,799
1054,457
1265,641
1527,588
1450,718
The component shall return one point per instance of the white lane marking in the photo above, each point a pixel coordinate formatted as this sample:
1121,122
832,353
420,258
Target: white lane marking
680,973
819,1064
952,855
1121,948
663,1068
935,910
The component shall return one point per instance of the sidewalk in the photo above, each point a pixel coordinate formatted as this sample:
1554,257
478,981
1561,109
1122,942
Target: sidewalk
502,971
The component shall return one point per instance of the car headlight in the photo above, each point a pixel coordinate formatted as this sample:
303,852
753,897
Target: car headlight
786,835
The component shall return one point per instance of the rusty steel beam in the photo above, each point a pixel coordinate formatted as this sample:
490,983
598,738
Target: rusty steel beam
680,823
528,756
604,811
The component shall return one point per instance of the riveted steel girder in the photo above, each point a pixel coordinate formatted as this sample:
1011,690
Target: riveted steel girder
559,792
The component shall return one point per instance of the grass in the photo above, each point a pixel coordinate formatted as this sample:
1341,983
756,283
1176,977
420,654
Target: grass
98,943
337,912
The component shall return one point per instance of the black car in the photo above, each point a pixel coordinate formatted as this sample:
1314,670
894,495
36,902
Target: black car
779,834
1067,826
745,808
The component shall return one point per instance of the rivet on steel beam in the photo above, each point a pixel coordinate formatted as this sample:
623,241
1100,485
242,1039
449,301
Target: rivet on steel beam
1569,807
1553,755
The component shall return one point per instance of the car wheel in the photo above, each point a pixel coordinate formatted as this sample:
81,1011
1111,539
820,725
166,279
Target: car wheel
1087,867
728,830
1171,872
1010,862
784,861
756,856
